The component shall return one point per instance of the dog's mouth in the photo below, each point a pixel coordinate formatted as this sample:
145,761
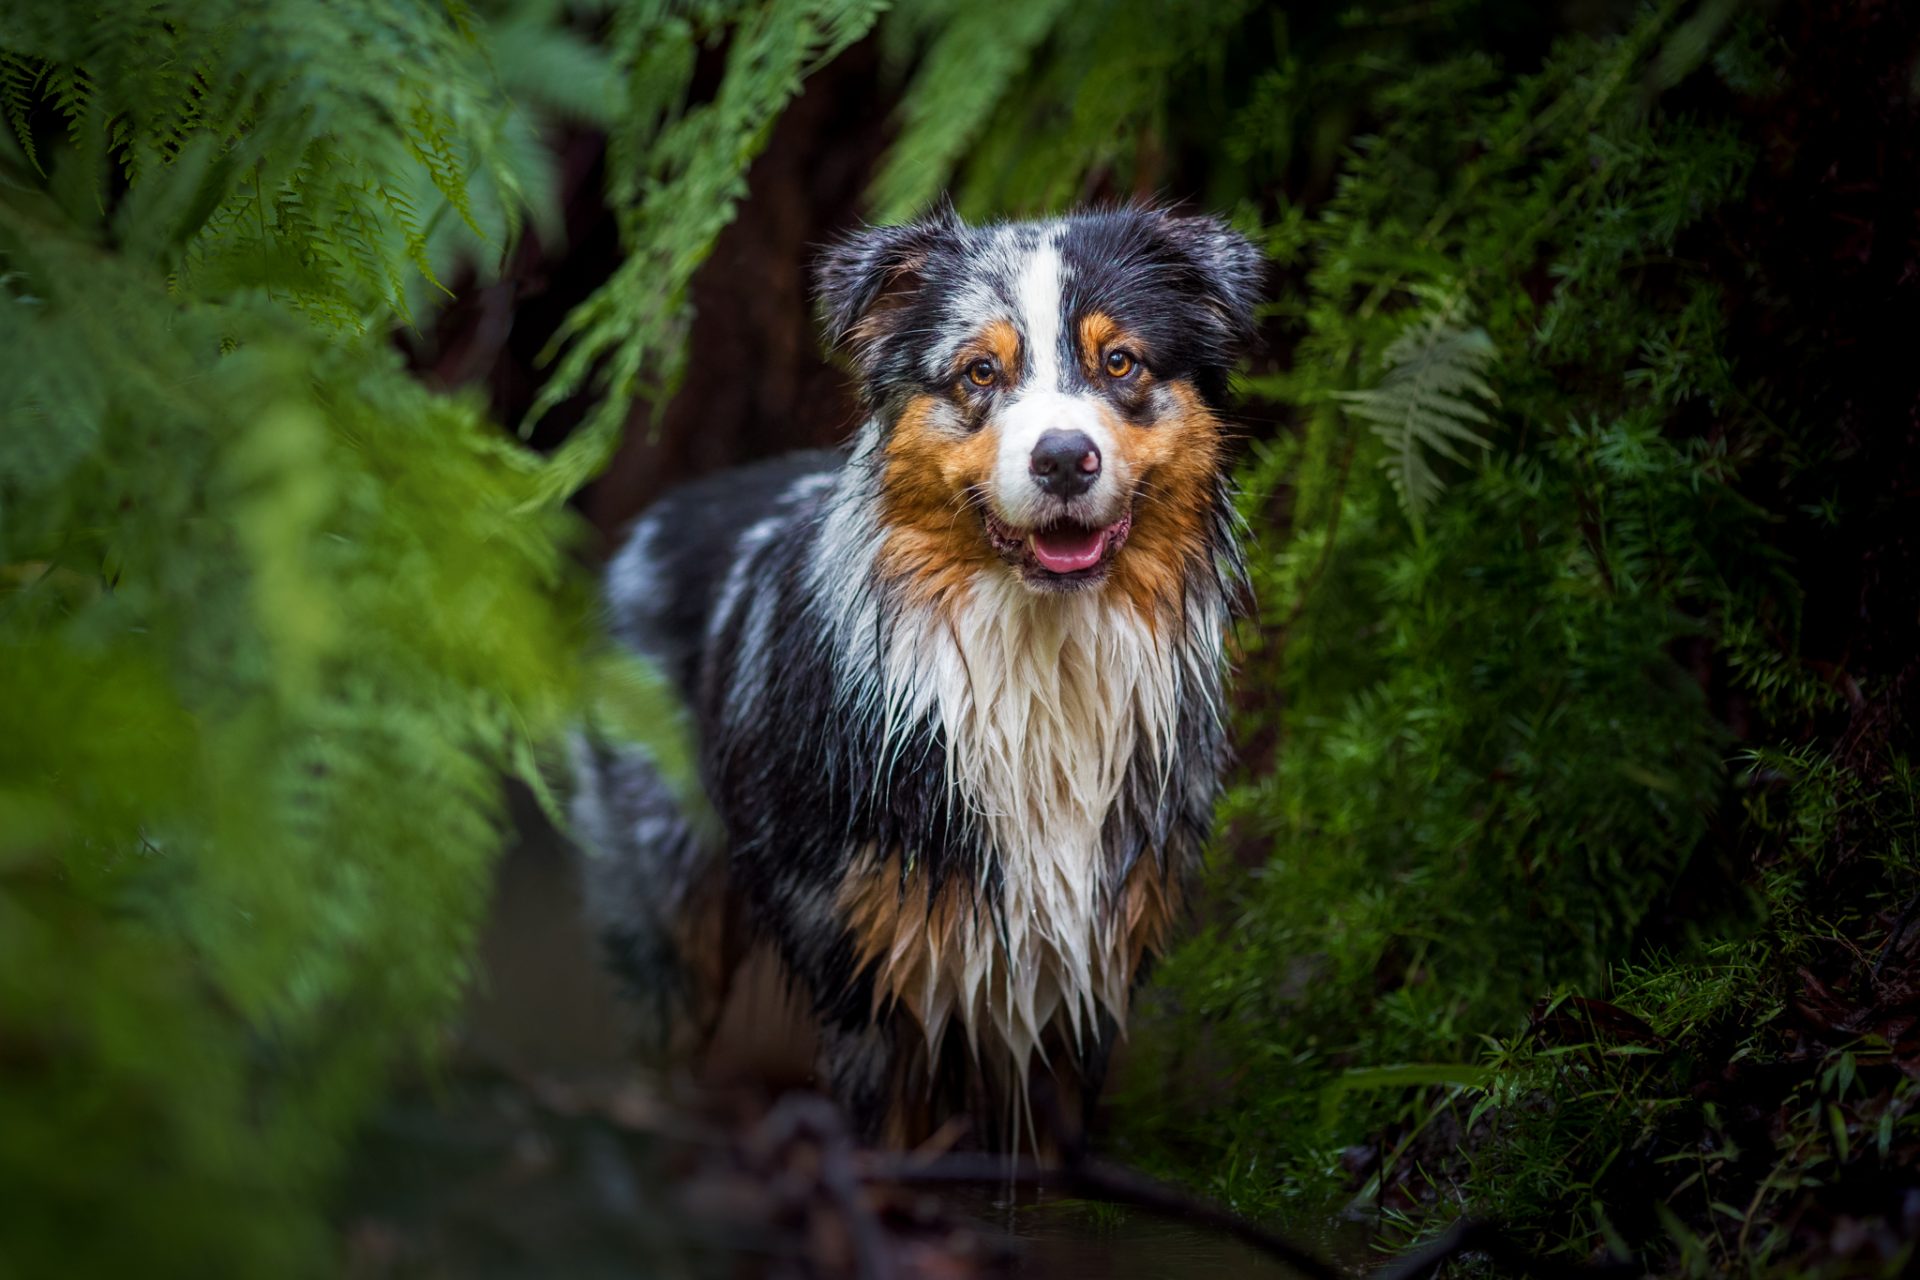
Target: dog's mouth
1062,554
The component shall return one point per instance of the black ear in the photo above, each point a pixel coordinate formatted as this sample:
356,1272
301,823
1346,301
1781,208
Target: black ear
865,281
1222,269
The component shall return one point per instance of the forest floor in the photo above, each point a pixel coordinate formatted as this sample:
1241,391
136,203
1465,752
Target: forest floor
536,1149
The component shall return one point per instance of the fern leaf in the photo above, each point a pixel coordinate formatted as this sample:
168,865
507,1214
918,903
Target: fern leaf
1427,401
978,54
71,91
19,85
677,175
430,139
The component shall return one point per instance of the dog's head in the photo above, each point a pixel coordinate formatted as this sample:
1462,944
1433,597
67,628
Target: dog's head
1046,390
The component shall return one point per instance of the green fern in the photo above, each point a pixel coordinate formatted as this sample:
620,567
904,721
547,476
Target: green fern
274,618
677,175
1425,403
974,53
19,85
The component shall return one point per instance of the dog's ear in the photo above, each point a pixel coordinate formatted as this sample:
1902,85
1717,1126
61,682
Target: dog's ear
1221,268
865,281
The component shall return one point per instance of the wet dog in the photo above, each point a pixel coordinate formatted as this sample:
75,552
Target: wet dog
957,692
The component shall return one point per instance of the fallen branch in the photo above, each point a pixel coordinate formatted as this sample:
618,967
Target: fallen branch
1096,1180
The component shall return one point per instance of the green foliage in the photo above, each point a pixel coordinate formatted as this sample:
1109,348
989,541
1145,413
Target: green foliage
334,162
1481,744
1500,873
1421,404
1572,1112
1035,131
1486,764
274,618
973,54
678,172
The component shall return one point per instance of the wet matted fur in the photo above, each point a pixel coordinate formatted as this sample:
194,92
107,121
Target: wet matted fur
957,690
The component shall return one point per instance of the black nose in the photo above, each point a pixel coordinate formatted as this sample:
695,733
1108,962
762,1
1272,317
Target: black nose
1065,463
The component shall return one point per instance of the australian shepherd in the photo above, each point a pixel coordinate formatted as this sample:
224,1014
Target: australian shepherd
957,692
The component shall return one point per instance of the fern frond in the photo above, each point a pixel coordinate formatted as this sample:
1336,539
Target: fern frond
1425,403
407,218
274,617
978,52
430,138
678,175
1019,109
19,85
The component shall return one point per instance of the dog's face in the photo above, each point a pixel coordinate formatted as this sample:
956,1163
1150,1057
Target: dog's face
1047,391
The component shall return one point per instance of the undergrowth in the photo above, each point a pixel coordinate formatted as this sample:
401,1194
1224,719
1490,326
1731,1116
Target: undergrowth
1528,903
1567,874
274,618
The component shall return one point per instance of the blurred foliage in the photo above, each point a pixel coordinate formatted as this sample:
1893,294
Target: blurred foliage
273,616
677,173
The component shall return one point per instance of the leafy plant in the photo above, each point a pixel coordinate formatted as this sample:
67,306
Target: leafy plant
274,618
1424,403
1488,918
678,172
1560,880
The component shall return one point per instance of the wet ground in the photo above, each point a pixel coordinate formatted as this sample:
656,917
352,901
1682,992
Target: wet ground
538,1150
1073,1238
501,1180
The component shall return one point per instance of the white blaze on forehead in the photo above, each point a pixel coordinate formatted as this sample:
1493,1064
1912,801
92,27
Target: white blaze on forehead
1042,403
1037,301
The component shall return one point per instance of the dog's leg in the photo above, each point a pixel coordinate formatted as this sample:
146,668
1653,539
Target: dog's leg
655,886
856,1066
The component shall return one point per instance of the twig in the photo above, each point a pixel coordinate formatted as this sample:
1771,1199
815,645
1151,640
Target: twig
844,1171
802,1115
1095,1180
1098,1181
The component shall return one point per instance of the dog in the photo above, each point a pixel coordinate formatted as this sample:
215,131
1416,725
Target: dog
958,692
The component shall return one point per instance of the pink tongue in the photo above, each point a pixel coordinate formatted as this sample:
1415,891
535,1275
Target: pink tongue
1069,550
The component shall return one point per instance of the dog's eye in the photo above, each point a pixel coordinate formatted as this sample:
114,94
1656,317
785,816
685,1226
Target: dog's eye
1119,363
981,373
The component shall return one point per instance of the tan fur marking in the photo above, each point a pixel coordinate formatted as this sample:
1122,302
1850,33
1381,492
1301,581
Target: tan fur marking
913,942
1097,332
1173,460
918,946
1001,341
934,541
1149,906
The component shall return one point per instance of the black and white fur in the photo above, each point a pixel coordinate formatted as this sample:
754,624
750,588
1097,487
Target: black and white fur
1026,742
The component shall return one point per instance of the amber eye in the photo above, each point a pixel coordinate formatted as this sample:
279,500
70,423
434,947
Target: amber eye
981,373
1119,363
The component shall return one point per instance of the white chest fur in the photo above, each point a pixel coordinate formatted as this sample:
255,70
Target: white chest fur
1044,700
